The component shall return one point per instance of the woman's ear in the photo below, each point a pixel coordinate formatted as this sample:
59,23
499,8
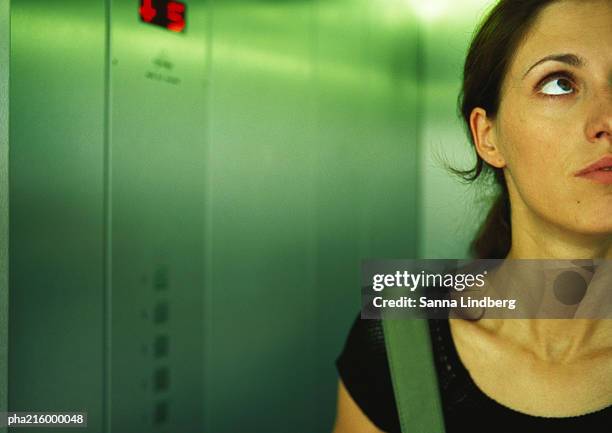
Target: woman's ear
485,140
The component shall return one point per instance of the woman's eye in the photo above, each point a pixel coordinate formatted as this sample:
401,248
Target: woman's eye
558,86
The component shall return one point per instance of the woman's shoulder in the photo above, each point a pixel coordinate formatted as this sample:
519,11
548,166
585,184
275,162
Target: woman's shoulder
363,368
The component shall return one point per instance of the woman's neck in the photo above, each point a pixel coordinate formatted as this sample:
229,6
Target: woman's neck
556,340
560,340
533,238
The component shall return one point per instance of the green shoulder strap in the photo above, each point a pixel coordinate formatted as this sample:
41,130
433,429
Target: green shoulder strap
413,375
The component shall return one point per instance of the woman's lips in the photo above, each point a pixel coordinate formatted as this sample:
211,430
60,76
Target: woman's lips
600,171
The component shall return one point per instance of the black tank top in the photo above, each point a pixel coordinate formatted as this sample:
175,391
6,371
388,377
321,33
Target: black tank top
363,368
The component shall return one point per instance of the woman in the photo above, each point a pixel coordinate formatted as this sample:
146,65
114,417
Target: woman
537,99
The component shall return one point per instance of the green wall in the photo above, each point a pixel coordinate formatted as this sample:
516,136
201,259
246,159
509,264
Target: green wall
56,186
450,211
312,158
4,103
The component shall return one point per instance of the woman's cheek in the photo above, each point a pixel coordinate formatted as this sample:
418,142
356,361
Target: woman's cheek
537,154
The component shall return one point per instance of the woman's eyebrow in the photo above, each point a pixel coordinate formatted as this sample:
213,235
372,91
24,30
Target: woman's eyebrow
570,59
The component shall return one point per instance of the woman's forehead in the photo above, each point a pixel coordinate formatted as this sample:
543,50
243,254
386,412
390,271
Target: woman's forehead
579,27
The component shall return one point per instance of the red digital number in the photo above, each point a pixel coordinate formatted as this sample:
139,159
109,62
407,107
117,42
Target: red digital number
176,18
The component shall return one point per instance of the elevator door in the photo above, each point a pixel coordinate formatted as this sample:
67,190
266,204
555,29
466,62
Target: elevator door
57,124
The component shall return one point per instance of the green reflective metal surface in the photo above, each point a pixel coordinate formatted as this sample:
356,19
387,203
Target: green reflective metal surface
56,200
311,168
260,214
4,204
155,189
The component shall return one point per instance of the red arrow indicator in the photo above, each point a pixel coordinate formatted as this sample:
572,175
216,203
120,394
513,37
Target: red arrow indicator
147,11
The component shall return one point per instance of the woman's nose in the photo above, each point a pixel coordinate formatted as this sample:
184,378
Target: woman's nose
599,126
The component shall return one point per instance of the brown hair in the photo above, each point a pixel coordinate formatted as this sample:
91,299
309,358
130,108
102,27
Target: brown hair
486,64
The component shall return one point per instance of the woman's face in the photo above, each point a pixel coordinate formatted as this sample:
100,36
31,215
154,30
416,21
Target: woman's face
555,117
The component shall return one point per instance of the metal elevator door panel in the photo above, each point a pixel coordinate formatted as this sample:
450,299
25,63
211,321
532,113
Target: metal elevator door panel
156,220
56,212
367,145
312,168
4,205
261,220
